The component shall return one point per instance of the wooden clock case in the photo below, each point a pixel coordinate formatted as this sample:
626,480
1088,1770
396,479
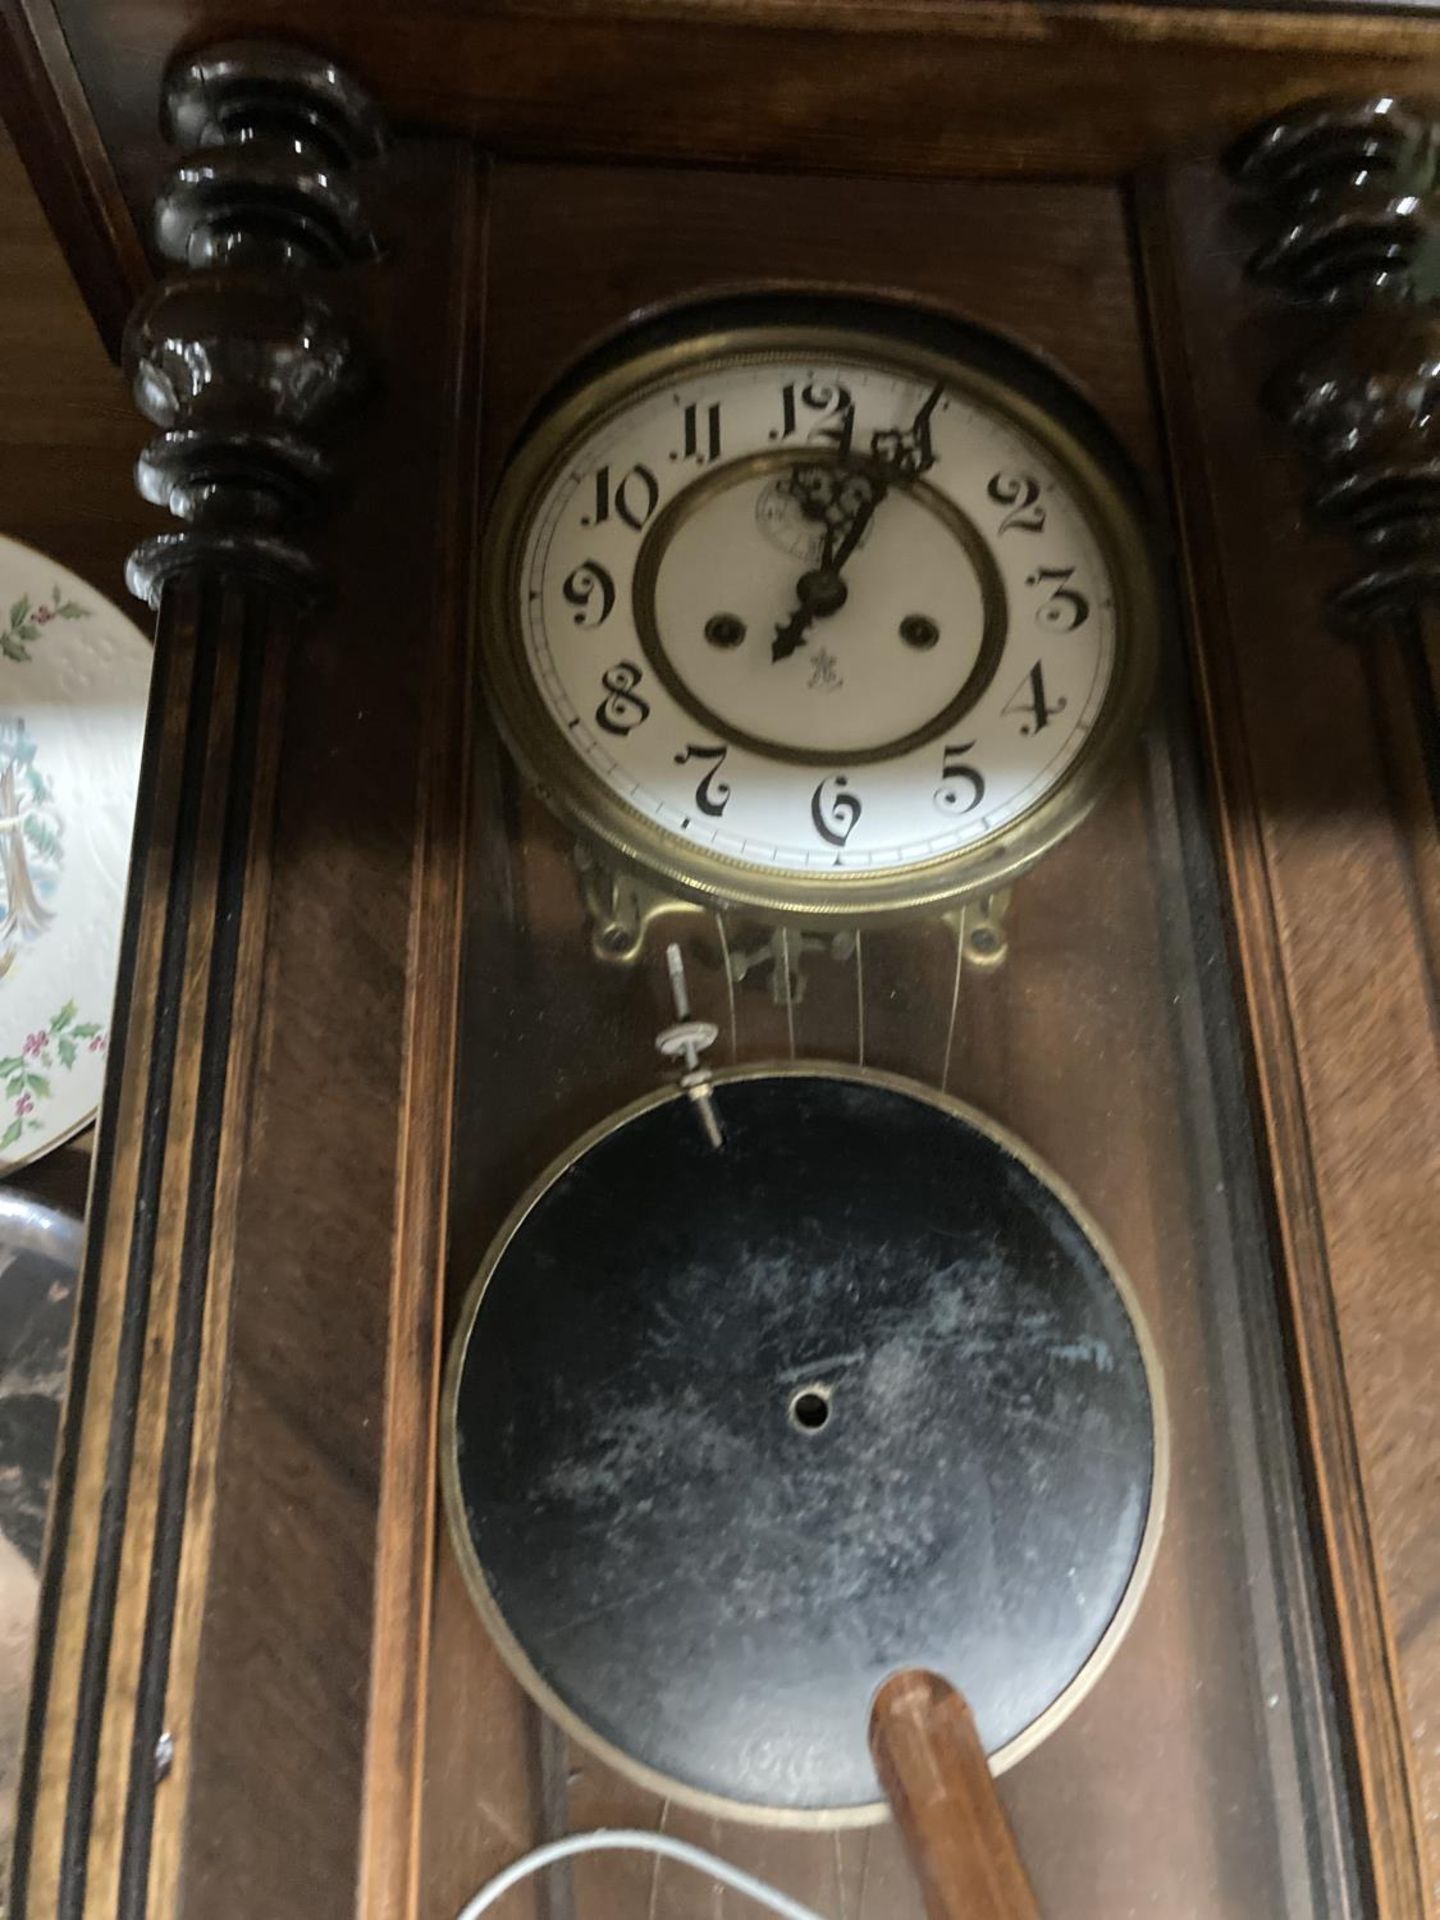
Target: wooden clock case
360,1002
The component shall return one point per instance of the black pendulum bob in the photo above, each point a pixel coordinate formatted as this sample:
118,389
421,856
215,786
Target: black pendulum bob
734,1433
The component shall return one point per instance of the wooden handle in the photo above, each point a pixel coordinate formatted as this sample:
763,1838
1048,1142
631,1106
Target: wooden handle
934,1771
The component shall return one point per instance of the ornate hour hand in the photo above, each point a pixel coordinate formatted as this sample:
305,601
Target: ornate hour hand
842,499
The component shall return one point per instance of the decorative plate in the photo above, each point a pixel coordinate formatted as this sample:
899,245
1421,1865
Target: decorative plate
74,674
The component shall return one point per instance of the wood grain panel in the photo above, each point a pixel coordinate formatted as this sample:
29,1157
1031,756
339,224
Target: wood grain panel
405,1536
43,103
69,432
1333,945
335,1230
928,87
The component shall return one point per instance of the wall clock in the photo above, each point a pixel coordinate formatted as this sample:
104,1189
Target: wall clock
779,446
824,610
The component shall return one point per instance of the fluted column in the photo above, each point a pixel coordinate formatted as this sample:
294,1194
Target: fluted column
247,358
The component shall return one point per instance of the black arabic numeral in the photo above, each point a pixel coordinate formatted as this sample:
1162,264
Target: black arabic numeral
622,710
833,402
1037,706
829,400
634,500
712,796
1021,493
692,427
834,810
637,497
600,513
951,796
1065,609
581,589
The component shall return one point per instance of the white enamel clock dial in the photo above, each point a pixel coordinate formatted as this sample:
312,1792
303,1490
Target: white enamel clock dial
815,621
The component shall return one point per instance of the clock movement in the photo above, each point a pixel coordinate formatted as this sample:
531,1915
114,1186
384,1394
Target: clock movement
769,1058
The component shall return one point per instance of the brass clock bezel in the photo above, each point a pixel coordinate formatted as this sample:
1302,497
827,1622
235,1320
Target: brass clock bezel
581,799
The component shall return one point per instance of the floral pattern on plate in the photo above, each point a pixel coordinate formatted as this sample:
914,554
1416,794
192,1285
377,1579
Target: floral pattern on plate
74,675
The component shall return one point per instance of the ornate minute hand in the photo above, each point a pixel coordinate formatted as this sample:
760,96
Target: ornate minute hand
844,499
906,452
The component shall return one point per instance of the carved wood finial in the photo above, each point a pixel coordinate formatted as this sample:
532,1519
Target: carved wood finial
238,92
245,356
1346,199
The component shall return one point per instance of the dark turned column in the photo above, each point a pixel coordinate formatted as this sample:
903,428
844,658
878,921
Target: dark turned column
245,359
1345,198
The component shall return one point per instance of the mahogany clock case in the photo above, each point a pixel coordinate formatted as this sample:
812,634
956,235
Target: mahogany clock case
1104,1040
341,1736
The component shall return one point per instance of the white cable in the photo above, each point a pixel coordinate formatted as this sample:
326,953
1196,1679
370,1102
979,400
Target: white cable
632,1840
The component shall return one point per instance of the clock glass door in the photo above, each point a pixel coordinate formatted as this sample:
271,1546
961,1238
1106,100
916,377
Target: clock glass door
832,731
